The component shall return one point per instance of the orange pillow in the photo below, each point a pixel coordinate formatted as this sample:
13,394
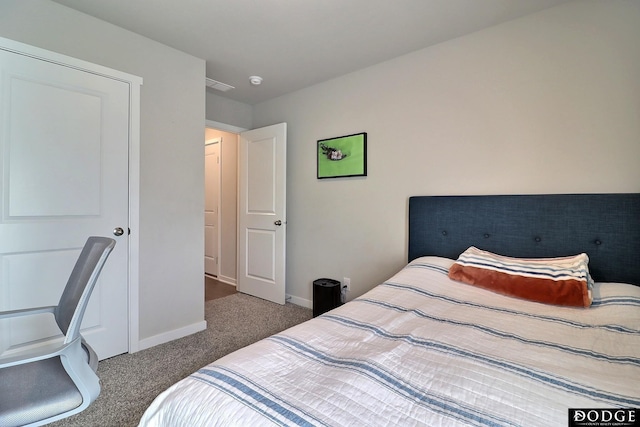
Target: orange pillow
560,281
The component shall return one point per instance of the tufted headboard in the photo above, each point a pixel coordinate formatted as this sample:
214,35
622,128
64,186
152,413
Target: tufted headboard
605,226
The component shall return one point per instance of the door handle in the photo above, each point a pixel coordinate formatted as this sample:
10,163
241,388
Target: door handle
278,223
118,231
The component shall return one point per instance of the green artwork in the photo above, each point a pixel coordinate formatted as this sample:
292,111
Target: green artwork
343,156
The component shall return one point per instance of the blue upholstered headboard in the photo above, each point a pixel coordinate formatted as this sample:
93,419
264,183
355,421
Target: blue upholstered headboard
605,226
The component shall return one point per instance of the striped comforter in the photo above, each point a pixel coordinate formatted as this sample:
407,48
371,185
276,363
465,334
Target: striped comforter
421,349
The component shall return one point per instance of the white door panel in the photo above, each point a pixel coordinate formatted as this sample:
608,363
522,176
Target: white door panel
211,206
39,114
64,142
262,213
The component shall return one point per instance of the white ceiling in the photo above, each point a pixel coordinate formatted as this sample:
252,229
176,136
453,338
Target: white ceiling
293,44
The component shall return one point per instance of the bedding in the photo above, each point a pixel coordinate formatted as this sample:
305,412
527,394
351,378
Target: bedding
422,349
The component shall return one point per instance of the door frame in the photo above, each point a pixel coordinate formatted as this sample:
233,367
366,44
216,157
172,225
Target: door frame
134,83
213,141
223,126
211,124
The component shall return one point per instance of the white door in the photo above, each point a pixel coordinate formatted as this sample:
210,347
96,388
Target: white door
262,215
64,136
211,205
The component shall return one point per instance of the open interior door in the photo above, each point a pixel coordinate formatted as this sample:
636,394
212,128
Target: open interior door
262,205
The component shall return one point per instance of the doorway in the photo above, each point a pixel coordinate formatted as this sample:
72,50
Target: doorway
252,210
221,189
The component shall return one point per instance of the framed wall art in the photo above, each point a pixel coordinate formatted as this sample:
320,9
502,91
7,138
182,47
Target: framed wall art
343,156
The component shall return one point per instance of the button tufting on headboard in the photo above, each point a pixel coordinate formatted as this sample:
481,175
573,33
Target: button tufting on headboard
513,225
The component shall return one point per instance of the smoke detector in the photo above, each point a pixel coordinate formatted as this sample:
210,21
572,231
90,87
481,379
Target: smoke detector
255,80
214,84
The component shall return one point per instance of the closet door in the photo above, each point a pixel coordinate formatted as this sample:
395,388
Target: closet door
64,144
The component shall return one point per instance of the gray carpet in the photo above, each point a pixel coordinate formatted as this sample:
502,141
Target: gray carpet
130,382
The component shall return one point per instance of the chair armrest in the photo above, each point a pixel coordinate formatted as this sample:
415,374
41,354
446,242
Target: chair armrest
26,312
39,353
42,352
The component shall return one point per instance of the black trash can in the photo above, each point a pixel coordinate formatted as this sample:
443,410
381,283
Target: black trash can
326,295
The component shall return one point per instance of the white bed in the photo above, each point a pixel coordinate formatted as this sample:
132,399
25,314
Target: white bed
422,349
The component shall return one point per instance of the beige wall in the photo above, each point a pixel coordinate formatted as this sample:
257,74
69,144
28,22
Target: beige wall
228,203
549,103
171,288
228,111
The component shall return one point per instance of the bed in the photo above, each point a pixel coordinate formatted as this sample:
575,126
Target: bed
423,349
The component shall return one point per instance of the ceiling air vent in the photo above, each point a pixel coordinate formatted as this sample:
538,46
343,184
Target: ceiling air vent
214,84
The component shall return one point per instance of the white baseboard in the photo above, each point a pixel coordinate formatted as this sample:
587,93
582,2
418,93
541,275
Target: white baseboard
171,335
227,280
201,326
299,301
224,279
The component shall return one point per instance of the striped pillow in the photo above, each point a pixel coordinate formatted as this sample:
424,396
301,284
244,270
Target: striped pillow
560,281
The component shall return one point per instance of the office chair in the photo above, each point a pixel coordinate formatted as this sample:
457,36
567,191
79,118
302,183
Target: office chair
57,380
